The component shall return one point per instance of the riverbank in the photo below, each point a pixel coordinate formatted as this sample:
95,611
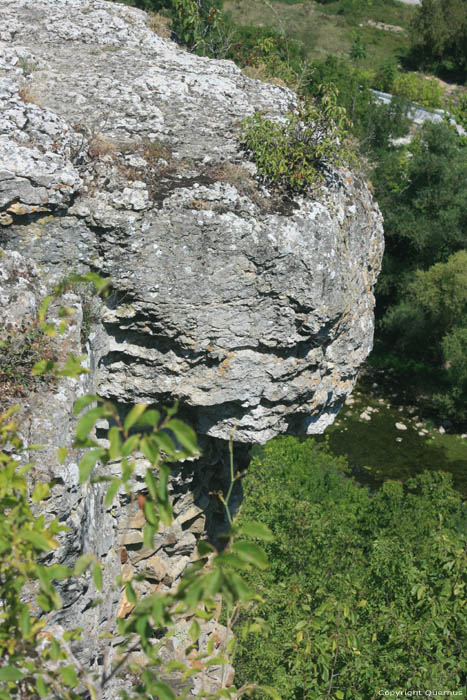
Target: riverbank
385,440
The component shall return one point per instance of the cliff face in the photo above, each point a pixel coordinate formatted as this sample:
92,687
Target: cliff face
119,153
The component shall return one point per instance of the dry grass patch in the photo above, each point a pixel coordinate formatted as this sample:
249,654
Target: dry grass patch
160,25
28,93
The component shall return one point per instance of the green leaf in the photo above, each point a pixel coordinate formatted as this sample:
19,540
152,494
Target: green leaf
194,631
43,367
150,449
83,563
205,548
184,435
97,576
41,491
215,661
165,513
130,593
42,687
115,449
148,534
86,422
151,483
24,621
269,690
339,694
130,445
89,461
83,402
241,589
133,416
112,491
62,454
166,444
73,367
175,666
44,307
230,560
149,418
38,540
256,529
251,553
150,513
162,691
59,572
69,676
10,673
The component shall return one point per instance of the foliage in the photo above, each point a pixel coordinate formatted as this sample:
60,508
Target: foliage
418,88
195,23
439,36
359,49
374,124
23,541
458,109
35,663
424,203
296,153
364,592
434,306
21,346
269,51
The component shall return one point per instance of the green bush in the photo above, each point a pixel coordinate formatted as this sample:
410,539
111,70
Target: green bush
435,307
364,592
372,123
295,154
266,48
417,88
439,37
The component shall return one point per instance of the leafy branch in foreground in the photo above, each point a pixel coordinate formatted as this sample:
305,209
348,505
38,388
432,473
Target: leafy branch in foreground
38,664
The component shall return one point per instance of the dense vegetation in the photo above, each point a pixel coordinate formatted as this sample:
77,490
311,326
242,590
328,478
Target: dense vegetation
365,593
439,36
419,185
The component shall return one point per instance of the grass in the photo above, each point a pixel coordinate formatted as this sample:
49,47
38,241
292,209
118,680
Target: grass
324,31
377,450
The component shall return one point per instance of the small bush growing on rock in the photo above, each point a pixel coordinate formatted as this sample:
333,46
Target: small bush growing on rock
20,348
296,153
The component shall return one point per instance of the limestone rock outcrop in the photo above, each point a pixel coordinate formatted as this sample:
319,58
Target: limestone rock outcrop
120,152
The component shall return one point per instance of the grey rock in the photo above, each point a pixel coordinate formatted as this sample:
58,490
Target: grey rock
253,316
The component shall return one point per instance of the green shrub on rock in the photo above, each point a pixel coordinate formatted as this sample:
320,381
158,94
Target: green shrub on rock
296,153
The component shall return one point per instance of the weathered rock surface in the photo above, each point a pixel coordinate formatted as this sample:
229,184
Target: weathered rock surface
253,312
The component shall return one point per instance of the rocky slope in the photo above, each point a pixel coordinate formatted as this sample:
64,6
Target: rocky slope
119,153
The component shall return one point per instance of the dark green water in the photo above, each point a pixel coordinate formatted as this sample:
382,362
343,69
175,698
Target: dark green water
377,450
